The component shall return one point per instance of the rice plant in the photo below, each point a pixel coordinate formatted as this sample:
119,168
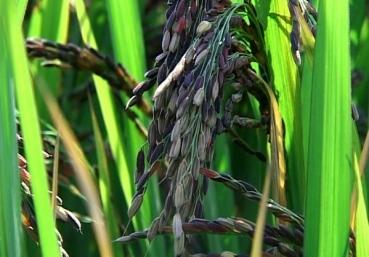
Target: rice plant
184,128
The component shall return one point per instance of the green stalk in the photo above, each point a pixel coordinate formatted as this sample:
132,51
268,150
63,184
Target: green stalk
330,136
10,197
19,70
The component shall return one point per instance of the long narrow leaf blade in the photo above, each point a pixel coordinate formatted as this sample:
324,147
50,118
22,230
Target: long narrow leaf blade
128,45
285,80
21,8
127,37
105,184
108,108
49,20
330,141
31,131
362,225
83,175
10,227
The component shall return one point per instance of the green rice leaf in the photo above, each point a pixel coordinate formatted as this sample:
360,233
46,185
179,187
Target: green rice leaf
19,70
330,136
21,8
128,45
10,225
360,63
105,184
108,109
127,36
83,174
357,18
362,225
49,20
285,81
